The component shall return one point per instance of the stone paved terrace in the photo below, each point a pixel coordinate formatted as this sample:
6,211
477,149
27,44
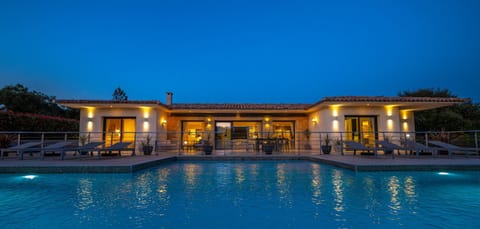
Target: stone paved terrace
127,164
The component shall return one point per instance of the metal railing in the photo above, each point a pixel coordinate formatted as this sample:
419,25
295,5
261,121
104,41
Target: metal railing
182,143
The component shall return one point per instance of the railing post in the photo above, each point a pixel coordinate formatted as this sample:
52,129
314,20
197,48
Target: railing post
320,143
42,139
426,138
341,143
476,140
65,138
180,145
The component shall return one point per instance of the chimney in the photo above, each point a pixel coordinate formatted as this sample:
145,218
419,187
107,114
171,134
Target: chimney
169,98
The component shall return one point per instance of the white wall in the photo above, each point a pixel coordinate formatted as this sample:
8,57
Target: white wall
147,120
398,121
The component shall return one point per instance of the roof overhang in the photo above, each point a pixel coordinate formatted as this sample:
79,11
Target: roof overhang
86,104
402,103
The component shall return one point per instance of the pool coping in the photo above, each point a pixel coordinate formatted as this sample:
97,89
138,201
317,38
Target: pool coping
135,164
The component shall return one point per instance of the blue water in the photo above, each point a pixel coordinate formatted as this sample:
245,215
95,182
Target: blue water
253,194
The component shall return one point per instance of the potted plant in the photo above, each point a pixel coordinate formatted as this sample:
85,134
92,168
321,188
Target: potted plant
338,145
387,150
307,134
268,146
207,147
83,141
147,148
326,147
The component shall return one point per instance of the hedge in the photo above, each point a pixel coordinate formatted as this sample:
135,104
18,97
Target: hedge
10,121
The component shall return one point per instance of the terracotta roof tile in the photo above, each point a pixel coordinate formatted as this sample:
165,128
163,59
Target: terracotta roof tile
390,99
154,102
238,106
256,106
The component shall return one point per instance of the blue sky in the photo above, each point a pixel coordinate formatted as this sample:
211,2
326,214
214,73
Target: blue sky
239,50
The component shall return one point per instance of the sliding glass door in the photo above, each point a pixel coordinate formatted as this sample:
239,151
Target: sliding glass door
362,129
229,134
118,130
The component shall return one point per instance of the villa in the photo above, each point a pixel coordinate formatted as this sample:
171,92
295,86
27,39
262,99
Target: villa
229,126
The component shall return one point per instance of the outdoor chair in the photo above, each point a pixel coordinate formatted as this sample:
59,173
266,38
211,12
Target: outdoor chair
351,145
82,150
421,148
388,147
454,149
55,147
119,147
19,148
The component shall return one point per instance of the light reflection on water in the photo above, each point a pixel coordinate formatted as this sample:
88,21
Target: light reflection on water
264,194
316,184
239,174
283,185
337,183
393,188
84,194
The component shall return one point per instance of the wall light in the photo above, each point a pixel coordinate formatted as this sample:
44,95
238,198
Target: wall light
314,121
335,123
146,125
89,124
164,122
209,123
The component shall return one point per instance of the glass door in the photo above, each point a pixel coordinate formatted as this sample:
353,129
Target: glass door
192,133
223,135
118,130
362,129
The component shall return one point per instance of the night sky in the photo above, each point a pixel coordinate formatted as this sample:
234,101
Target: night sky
240,51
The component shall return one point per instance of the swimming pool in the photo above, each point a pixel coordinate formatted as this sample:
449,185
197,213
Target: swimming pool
266,194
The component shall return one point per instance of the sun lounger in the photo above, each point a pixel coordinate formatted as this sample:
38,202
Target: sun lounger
390,147
419,147
351,145
454,149
120,146
56,147
19,148
81,150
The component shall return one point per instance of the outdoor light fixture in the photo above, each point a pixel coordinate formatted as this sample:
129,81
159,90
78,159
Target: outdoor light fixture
314,121
164,122
90,124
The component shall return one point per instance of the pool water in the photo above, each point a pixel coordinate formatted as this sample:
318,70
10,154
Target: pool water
252,194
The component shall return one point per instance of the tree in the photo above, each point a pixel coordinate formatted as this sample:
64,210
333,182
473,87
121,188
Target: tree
19,98
464,116
119,95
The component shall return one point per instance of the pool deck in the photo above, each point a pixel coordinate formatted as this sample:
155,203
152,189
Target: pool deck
128,164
